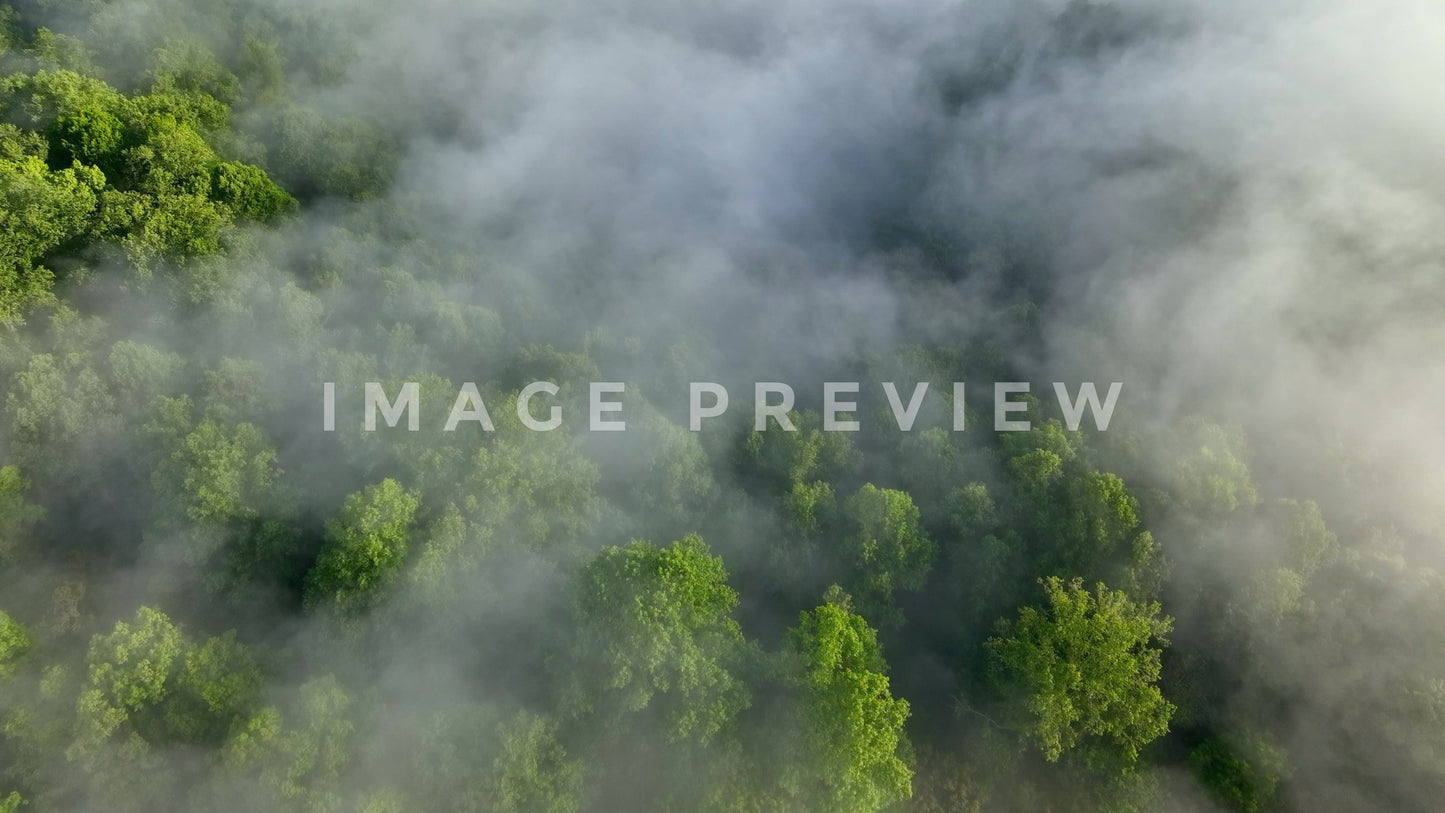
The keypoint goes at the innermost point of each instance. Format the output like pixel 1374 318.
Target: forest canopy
pixel 304 309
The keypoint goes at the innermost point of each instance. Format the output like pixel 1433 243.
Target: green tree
pixel 537 487
pixel 656 621
pixel 366 546
pixel 852 726
pixel 17 516
pixel 889 549
pixel 40 211
pixel 221 474
pixel 1093 520
pixel 779 459
pixel 809 506
pixel 140 372
pixel 532 772
pixel 1241 771
pixel 321 156
pixel 293 761
pixel 1211 477
pixel 1084 666
pixel 15 641
pixel 137 170
pixel 249 192
pixel 57 407
pixel 148 687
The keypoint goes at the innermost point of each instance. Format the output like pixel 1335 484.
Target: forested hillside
pixel 1228 600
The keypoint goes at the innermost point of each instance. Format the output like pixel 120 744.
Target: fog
pixel 1234 209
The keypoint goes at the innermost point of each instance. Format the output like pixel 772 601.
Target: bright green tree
pixel 366 546
pixel 15 641
pixel 1085 666
pixel 852 725
pixel 40 211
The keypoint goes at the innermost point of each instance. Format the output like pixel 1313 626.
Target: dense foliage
pixel 208 603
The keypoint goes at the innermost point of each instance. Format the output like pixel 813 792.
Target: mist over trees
pixel 1229 600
